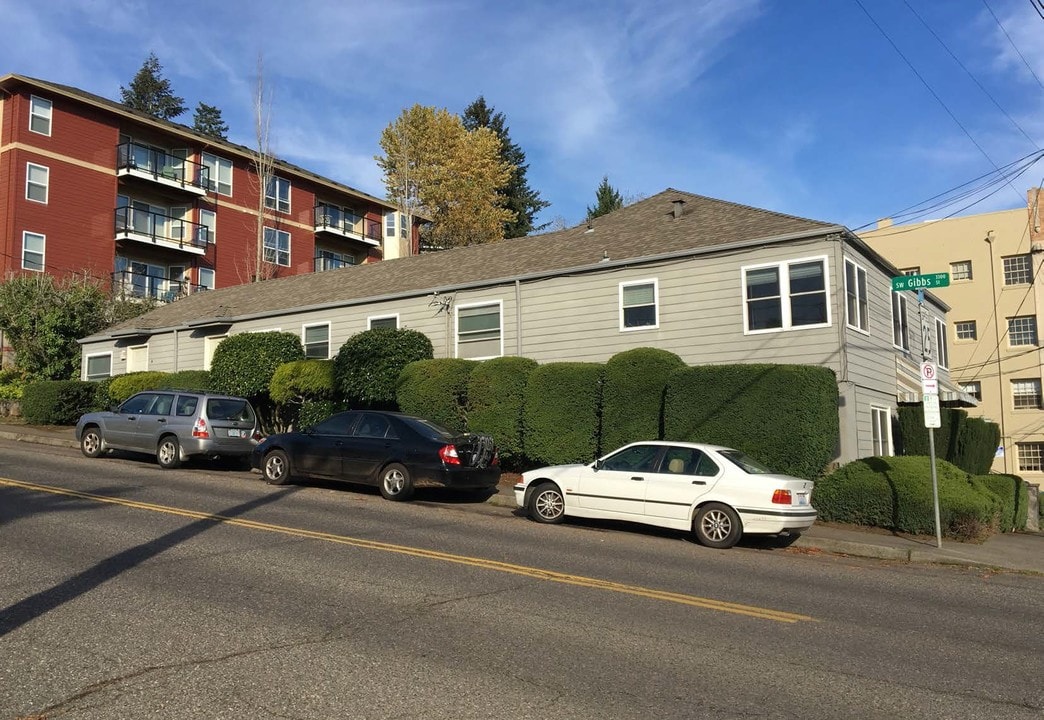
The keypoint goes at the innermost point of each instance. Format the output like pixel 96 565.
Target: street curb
pixel 848 547
pixel 38 440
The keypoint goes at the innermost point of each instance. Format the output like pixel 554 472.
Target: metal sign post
pixel 930 404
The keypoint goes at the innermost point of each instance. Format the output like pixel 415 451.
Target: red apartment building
pixel 160 211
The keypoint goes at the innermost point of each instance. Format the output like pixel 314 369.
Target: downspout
pixel 997 334
pixel 518 318
pixel 176 350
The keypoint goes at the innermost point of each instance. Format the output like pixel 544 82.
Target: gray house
pixel 712 281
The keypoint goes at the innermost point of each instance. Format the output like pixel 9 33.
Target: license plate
pixel 802 499
pixel 235 432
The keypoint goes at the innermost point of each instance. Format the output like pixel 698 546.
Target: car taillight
pixel 496 458
pixel 781 497
pixel 258 436
pixel 448 453
pixel 199 429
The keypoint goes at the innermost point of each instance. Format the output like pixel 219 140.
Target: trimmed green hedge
pixel 495 396
pixel 1013 494
pixel 300 381
pixel 367 367
pixel 896 493
pixel 313 411
pixel 632 396
pixel 783 415
pixel 437 390
pixel 561 413
pixel 244 364
pixel 57 402
pixel 122 387
pixel 967 442
pixel 195 380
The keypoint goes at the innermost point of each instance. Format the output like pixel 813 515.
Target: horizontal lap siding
pixel 871 358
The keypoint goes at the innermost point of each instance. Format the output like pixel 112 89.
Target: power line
pixel 1012 43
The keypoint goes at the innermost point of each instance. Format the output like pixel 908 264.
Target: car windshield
pixel 229 409
pixel 427 428
pixel 745 462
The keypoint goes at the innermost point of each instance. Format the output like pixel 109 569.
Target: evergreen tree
pixel 150 92
pixel 208 121
pixel 517 196
pixel 609 199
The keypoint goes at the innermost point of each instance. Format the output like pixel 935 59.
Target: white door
pixel 616 483
pixel 684 475
pixel 137 358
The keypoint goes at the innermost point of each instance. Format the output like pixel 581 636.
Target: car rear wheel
pixel 717 526
pixel 91 442
pixel 396 483
pixel 168 452
pixel 276 468
pixel 547 504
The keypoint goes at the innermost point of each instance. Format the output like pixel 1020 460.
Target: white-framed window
pixel 383 321
pixel 1018 270
pixel 33 246
pixel 1025 394
pixel 389 223
pixel 99 366
pixel 1031 456
pixel 857 306
pixel 316 340
pixel 37 180
pixel 208 221
pixel 210 344
pixel 786 296
pixel 639 305
pixel 277 194
pixel 973 388
pixel 881 419
pixel 220 176
pixel 961 270
pixel 942 352
pixel 1022 330
pixel 900 324
pixel 277 247
pixel 916 270
pixel 206 279
pixel 478 331
pixel 138 358
pixel 966 330
pixel 40 115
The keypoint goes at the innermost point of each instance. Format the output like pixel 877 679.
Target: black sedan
pixel 393 451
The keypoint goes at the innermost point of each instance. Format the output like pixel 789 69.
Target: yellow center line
pixel 496 565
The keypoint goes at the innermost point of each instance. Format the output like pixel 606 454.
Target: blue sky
pixel 800 106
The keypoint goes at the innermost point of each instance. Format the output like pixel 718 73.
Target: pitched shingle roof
pixel 646 229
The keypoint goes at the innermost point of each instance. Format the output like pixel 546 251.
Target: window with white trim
pixel 639 303
pixel 37 180
pixel 206 279
pixel 383 321
pixel 911 271
pixel 900 324
pixel 478 331
pixel 966 330
pixel 389 223
pixel 40 115
pixel 316 341
pixel 941 351
pixel 33 245
pixel 138 358
pixel 1022 330
pixel 973 388
pixel 277 194
pixel 277 247
pixel 99 366
pixel 785 296
pixel 1031 456
pixel 857 307
pixel 208 221
pixel 961 270
pixel 220 173
pixel 1025 394
pixel 881 419
pixel 1018 270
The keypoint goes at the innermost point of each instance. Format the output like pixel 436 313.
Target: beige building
pixel 996 296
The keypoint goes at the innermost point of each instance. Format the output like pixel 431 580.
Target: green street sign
pixel 920 282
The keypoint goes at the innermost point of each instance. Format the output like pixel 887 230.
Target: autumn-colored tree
pixel 433 165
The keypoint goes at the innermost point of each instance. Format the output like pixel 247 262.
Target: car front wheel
pixel 717 526
pixel 168 453
pixel 276 468
pixel 547 504
pixel 91 442
pixel 396 483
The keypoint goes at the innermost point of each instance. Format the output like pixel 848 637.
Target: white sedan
pixel 716 492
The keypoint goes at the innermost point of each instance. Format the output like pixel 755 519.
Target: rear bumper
pixel 213 446
pixel 775 522
pixel 458 477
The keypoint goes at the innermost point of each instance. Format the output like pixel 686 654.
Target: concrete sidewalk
pixel 1011 551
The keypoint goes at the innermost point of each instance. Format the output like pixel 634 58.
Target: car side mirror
pixel 115 409
pixel 597 465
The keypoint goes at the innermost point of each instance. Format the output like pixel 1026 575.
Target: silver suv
pixel 173 424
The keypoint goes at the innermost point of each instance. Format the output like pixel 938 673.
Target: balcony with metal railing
pixel 162 167
pixel 157 229
pixel 340 222
pixel 130 285
pixel 327 260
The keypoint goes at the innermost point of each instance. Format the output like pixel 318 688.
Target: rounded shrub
pixel 560 414
pixel 194 380
pixel 244 364
pixel 496 391
pixel 632 395
pixel 437 390
pixel 302 380
pixel 367 367
pixel 122 387
pixel 57 402
pixel 1013 495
